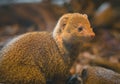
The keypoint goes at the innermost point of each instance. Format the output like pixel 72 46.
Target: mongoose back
pixel 35 57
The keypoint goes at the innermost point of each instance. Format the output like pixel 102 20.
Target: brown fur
pixel 99 75
pixel 35 57
pixel 94 75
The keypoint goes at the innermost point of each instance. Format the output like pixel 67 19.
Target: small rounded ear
pixel 85 15
pixel 84 74
pixel 63 22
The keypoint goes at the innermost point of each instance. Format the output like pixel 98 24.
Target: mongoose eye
pixel 80 29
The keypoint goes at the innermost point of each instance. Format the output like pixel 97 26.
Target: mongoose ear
pixel 63 23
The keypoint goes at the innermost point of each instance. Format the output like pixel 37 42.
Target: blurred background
pixel 20 16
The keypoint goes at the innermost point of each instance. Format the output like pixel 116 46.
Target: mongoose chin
pixel 35 57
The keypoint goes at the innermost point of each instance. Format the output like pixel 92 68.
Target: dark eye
pixel 80 29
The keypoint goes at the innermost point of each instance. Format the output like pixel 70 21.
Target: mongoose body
pixel 35 57
pixel 31 59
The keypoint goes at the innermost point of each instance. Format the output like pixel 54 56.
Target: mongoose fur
pixel 95 75
pixel 35 57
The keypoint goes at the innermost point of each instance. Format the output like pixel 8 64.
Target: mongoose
pixel 35 57
pixel 94 75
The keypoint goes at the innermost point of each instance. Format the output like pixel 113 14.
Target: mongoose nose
pixel 92 35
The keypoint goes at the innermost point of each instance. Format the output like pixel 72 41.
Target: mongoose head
pixel 73 27
pixel 94 75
